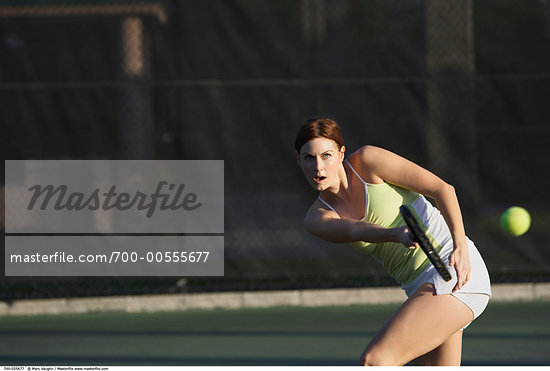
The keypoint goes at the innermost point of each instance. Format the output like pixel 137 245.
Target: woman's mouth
pixel 319 179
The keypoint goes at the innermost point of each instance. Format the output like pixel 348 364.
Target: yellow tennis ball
pixel 515 221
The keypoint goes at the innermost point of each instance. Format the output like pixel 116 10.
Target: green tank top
pixel 382 207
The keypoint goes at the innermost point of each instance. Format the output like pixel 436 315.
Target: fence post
pixel 450 65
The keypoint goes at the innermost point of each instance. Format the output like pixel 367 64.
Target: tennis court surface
pixel 508 333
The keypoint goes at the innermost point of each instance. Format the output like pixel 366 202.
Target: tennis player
pixel 359 204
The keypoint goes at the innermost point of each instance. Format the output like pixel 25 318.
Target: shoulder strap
pixel 326 204
pixel 356 173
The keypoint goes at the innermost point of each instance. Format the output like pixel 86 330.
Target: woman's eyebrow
pixel 325 151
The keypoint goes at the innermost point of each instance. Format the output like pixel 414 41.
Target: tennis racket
pixel 424 242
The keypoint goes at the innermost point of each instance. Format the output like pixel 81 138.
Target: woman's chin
pixel 319 186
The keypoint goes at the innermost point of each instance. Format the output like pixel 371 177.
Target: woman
pixel 359 204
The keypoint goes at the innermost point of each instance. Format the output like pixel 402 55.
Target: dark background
pixel 460 87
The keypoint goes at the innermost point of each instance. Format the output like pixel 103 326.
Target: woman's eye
pixel 325 155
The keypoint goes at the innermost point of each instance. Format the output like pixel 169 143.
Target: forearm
pixel 345 231
pixel 374 233
pixel 447 203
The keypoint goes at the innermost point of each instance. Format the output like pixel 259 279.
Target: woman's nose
pixel 318 164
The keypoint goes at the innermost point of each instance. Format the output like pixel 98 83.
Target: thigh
pixel 424 322
pixel 447 354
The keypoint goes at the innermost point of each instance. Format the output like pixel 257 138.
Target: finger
pixel 467 278
pixel 459 280
pixel 458 286
pixel 452 259
pixel 463 278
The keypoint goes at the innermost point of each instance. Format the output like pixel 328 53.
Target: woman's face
pixel 320 160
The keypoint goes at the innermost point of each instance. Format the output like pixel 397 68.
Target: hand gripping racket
pixel 424 242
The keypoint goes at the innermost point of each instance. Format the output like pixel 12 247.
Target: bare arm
pixel 327 225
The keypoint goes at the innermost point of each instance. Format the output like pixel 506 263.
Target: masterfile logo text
pixel 60 198
pixel 114 196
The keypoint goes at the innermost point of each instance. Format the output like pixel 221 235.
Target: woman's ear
pixel 342 152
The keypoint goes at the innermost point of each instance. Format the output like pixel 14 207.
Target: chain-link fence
pixel 460 87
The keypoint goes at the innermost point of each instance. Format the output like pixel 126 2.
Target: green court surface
pixel 506 334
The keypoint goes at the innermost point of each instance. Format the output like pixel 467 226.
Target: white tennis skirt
pixel 475 293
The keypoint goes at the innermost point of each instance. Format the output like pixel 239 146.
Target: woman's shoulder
pixel 364 160
pixel 319 211
pixel 366 154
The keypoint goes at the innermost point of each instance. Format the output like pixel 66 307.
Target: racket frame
pixel 424 242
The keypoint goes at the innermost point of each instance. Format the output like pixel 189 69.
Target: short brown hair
pixel 318 127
